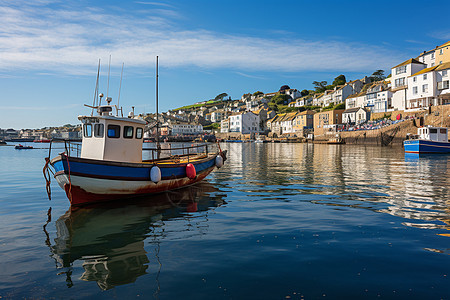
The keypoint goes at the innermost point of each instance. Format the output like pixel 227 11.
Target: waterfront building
pixel 287 123
pixel 186 129
pixel 326 118
pixel 399 83
pixel 244 122
pixel 225 125
pixel 303 122
pixel 355 115
pixel 422 89
pixel 274 124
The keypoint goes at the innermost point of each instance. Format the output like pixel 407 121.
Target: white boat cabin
pixel 437 134
pixel 107 137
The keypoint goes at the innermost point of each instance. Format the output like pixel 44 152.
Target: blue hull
pixel 425 146
pixel 88 181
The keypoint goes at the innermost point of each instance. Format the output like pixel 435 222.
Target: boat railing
pixel 165 151
pixel 72 147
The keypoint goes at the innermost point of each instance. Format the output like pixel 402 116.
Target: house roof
pixel 352 110
pixel 409 61
pixel 443 45
pixel 426 70
pixel 357 95
pixel 443 66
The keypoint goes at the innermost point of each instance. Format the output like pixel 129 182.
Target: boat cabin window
pixel 443 130
pixel 113 131
pixel 99 130
pixel 139 132
pixel 87 130
pixel 128 132
pixel 433 130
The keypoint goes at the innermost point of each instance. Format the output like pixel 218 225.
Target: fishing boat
pixel 429 139
pixel 22 147
pixel 110 165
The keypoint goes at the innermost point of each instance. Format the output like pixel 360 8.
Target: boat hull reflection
pixel 109 238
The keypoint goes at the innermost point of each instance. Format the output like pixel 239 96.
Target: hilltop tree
pixel 320 86
pixel 221 96
pixel 340 80
pixel 281 99
pixel 304 93
pixel 378 75
pixel 258 93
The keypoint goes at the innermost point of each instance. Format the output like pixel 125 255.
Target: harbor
pixel 280 220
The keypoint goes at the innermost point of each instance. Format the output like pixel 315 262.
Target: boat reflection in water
pixel 109 238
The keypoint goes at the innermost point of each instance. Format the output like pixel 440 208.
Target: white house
pixel 293 93
pixel 422 89
pixel 218 115
pixel 186 128
pixel 356 100
pixel 245 123
pixel 341 93
pixel 378 97
pixel 399 83
pixel 355 115
pixel 442 79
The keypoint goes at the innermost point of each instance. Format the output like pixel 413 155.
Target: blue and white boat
pixel 110 165
pixel 428 140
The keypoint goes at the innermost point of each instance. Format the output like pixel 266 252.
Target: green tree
pixel 221 96
pixel 304 93
pixel 320 86
pixel 281 99
pixel 378 75
pixel 258 93
pixel 340 80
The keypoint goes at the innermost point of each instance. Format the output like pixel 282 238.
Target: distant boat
pixel 20 147
pixel 41 141
pixel 111 167
pixel 428 140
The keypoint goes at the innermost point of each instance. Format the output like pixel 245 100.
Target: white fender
pixel 155 174
pixel 219 161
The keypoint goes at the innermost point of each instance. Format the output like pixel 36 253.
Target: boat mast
pixel 158 146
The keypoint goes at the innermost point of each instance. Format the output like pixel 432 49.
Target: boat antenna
pixel 96 88
pixel 158 146
pixel 120 87
pixel 109 69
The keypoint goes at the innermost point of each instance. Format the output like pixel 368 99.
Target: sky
pixel 50 50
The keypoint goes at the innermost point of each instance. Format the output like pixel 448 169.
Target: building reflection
pixel 109 239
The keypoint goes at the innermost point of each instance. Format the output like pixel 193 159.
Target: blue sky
pixel 49 49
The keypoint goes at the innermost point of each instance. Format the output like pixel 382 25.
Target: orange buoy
pixel 190 171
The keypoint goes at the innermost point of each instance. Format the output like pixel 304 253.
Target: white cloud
pixel 70 40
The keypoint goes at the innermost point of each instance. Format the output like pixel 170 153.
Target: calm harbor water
pixel 278 221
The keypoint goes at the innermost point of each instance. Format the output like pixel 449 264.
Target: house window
pixel 425 76
pixel 414 79
pixel 88 130
pixel 98 130
pixel 415 90
pixel 114 131
pixel 441 51
pixel 444 73
pixel 425 88
pixel 432 55
pixel 400 82
pixel 400 70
